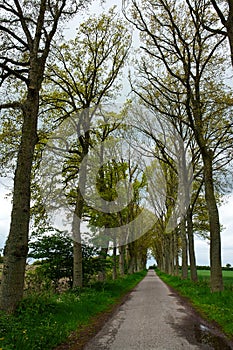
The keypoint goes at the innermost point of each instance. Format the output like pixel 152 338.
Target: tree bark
pixel 172 258
pixel 167 253
pixel 131 258
pixel 192 258
pixel 216 280
pixel 16 247
pixel 184 250
pixel 103 256
pixel 114 269
pixel 78 211
pixel 176 249
pixel 77 243
pixel 122 260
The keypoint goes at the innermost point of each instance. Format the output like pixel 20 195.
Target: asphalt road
pixel 155 318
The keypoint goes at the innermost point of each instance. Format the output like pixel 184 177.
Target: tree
pixel 54 250
pixel 55 254
pixel 85 76
pixel 107 179
pixel 184 58
pixel 110 222
pixel 170 146
pixel 27 30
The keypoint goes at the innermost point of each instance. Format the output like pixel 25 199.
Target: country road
pixel 154 318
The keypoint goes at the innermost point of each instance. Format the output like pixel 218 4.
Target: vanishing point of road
pixel 154 318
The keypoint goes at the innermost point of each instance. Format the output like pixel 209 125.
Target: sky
pixel 201 246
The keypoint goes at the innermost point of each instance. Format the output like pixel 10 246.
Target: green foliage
pixel 213 306
pixel 55 254
pixel 93 262
pixel 86 68
pixel 109 176
pixel 44 321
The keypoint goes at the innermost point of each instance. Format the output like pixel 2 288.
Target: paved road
pixel 153 318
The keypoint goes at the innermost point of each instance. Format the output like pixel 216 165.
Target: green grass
pixel 204 275
pixel 44 321
pixel 216 307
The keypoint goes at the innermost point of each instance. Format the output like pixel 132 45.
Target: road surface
pixel 154 318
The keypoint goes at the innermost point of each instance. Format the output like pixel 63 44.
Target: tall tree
pixel 27 30
pixel 170 142
pixel 179 47
pixel 85 76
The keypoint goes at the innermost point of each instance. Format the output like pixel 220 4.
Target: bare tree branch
pixel 14 105
pixel 219 12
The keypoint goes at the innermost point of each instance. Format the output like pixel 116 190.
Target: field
pixel 204 275
pixel 216 307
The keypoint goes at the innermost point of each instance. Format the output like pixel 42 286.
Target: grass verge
pixel 217 307
pixel 44 321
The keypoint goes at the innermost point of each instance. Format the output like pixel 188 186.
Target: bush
pixel 56 257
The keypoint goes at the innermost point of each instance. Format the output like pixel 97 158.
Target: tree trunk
pixel 184 250
pixel 143 260
pixel 167 254
pixel 192 258
pixel 122 260
pixel 16 248
pixel 172 259
pixel 78 213
pixel 163 267
pixel 114 269
pixel 77 243
pixel 216 280
pixel 132 264
pixel 141 257
pixel 103 256
pixel 176 249
pixel 131 257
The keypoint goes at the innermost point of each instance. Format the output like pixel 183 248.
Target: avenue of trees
pixel 164 156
